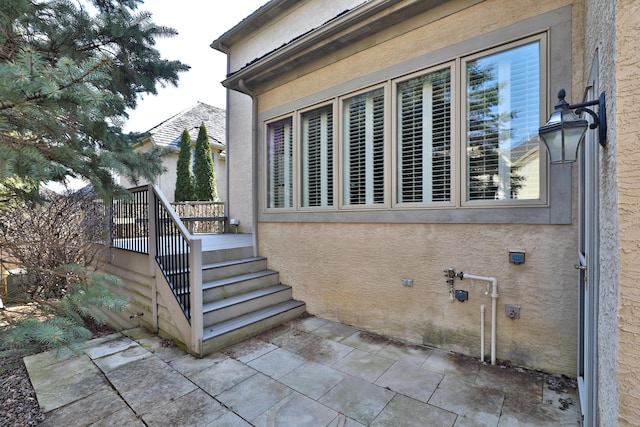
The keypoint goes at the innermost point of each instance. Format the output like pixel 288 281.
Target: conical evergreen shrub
pixel 204 174
pixel 184 178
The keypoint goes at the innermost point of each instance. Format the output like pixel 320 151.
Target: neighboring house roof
pixel 168 133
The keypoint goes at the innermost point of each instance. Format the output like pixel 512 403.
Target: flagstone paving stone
pixel 307 372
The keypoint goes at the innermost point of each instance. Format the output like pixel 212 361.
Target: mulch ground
pixel 18 403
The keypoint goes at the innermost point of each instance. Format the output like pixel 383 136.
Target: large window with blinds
pixel 363 145
pixel 423 139
pixel 316 148
pixel 280 163
pixel 502 94
pixel 457 135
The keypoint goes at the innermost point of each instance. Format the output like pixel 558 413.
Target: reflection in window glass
pixel 503 114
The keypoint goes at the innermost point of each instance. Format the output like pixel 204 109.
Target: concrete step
pixel 224 269
pixel 228 287
pixel 219 311
pixel 235 330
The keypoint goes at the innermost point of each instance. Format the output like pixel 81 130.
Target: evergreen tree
pixel 205 179
pixel 184 178
pixel 69 70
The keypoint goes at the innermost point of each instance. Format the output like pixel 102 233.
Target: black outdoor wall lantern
pixel 564 130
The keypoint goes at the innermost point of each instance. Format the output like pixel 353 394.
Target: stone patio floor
pixel 307 372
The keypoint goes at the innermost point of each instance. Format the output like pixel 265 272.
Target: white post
pixel 151 249
pixel 195 295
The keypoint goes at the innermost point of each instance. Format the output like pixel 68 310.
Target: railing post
pixel 197 327
pixel 225 226
pixel 109 225
pixel 151 241
pixel 152 250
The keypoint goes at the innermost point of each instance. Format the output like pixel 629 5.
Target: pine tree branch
pixel 78 80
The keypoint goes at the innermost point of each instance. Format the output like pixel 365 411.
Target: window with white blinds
pixel 424 138
pixel 503 116
pixel 317 157
pixel 280 163
pixel 463 134
pixel 363 149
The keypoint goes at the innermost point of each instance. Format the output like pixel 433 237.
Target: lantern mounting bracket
pixel 599 119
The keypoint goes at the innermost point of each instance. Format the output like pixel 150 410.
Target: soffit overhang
pixel 357 24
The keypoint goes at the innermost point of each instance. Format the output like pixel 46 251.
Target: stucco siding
pixel 600 57
pixel 239 163
pixel 303 17
pixel 393 46
pixel 627 123
pixel 353 273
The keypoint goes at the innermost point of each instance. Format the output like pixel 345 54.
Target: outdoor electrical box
pixel 516 257
pixel 461 295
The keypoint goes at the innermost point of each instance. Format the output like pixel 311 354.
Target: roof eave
pixel 347 28
pixel 251 23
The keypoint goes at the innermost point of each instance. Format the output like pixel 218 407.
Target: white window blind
pixel 280 164
pixel 363 153
pixel 503 114
pixel 424 138
pixel 317 157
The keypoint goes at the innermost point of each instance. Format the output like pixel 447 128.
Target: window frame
pixel 294 174
pixel 342 145
pixel 451 203
pixel 334 141
pixel 463 188
pixel 556 26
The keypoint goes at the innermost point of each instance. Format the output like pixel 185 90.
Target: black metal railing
pixel 130 221
pixel 170 240
pixel 172 254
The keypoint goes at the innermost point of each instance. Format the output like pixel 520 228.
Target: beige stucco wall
pixel 239 106
pixel 353 273
pixel 239 155
pixel 287 26
pixel 166 182
pixel 627 136
pixel 369 55
pixel 599 56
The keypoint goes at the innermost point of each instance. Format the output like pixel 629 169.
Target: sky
pixel 199 23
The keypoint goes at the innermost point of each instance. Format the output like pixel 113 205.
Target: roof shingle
pixel 169 132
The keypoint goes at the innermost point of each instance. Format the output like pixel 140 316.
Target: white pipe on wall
pixel 494 299
pixel 482 333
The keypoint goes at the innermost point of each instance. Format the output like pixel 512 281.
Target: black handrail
pixel 131 231
pixel 172 255
pixel 130 221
